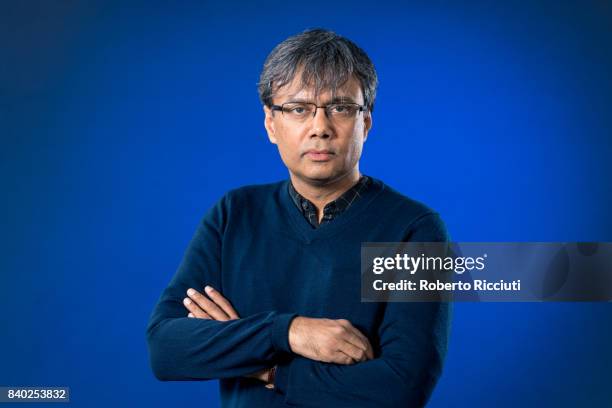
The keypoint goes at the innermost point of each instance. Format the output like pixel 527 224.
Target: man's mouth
pixel 319 155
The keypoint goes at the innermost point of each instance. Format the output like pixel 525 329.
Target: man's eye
pixel 342 108
pixel 297 110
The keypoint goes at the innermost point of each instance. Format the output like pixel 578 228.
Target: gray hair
pixel 326 61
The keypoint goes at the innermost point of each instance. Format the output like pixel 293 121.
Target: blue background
pixel 120 125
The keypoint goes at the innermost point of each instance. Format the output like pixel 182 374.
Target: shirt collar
pixel 331 209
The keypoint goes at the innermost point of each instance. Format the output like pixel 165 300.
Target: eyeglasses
pixel 300 112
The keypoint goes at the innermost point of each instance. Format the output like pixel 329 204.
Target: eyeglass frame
pixel 361 108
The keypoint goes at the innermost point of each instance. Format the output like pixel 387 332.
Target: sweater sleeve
pixel 182 348
pixel 412 342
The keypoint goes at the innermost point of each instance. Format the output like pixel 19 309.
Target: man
pixel 280 321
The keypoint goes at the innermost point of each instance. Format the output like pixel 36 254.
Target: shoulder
pixel 250 196
pixel 422 222
pixel 240 202
pixel 254 191
pixel 392 199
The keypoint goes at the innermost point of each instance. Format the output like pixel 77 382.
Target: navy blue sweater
pixel 257 249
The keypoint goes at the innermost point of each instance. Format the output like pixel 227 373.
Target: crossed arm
pixel 411 339
pixel 326 340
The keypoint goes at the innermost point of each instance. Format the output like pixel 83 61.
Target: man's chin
pixel 320 178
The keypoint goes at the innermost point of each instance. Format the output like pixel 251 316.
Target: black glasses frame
pixel 360 108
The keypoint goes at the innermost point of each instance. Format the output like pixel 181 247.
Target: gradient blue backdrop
pixel 120 125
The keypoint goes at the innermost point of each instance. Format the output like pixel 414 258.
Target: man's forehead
pixel 350 90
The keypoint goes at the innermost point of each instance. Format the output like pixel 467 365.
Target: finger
pixel 342 358
pixel 363 341
pixel 370 352
pixel 192 316
pixel 207 305
pixel 222 302
pixel 357 338
pixel 354 352
pixel 194 309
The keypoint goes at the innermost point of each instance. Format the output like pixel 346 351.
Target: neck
pixel 322 193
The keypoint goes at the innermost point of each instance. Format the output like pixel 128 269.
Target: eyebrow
pixel 336 99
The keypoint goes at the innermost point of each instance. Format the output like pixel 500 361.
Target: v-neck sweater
pixel 259 251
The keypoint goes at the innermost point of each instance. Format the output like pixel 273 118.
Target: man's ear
pixel 269 124
pixel 367 124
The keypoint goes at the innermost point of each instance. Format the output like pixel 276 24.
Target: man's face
pixel 321 149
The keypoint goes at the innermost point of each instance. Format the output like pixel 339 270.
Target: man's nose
pixel 321 123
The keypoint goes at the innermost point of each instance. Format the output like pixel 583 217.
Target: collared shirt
pixel 332 209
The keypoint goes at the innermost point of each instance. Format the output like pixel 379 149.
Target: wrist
pixel 293 335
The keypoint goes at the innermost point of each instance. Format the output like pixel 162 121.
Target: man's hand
pixel 215 308
pixel 330 341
